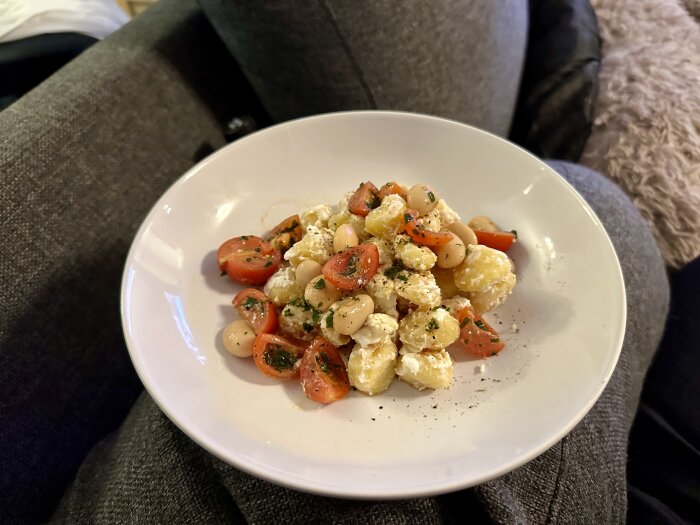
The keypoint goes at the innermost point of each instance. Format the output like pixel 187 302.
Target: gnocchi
pixel 390 278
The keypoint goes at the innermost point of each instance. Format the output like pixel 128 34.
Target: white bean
pixel 464 232
pixel 239 338
pixel 320 293
pixel 483 224
pixel 452 253
pixel 344 237
pixel 307 270
pixel 352 313
pixel 422 198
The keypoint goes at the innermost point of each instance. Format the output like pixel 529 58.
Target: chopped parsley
pixel 315 314
pixel 244 237
pixel 351 267
pixel 329 319
pixel 291 227
pixel 395 269
pixel 407 218
pixel 495 340
pixel 302 303
pixel 267 264
pixel 323 362
pixel 465 322
pixel 479 324
pixel 320 284
pixel 514 232
pixel 402 277
pixel 278 358
pixel 250 302
pixel 431 196
pixel 374 200
pixel 432 325
pixel 287 312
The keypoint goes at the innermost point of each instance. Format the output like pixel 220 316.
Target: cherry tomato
pixel 286 233
pixel 248 259
pixel 324 377
pixel 496 240
pixel 364 200
pixel 477 335
pixel 276 356
pixel 256 308
pixel 419 234
pixel 353 267
pixel 392 188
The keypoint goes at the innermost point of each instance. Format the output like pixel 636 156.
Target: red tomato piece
pixel 286 233
pixel 256 308
pixel 276 356
pixel 353 267
pixel 364 200
pixel 496 240
pixel 419 234
pixel 477 335
pixel 392 188
pixel 248 259
pixel 323 375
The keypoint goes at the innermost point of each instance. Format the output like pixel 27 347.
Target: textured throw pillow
pixel 646 132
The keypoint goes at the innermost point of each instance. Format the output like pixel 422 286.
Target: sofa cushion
pixel 560 79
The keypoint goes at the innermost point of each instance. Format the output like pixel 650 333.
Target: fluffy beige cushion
pixel 646 133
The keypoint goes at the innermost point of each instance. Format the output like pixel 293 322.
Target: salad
pixel 375 288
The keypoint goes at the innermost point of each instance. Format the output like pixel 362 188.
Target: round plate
pixel 563 324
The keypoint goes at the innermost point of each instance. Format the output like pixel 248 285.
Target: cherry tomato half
pixel 496 240
pixel 248 259
pixel 364 200
pixel 477 335
pixel 256 308
pixel 419 234
pixel 276 356
pixel 323 375
pixel 286 233
pixel 392 188
pixel 353 267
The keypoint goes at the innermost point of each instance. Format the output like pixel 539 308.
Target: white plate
pixel 569 307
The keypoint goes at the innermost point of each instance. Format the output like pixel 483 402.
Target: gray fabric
pixel 82 159
pixel 149 471
pixel 460 59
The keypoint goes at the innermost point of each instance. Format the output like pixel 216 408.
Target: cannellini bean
pixel 307 270
pixel 452 253
pixel 483 223
pixel 352 313
pixel 464 232
pixel 422 198
pixel 344 237
pixel 320 293
pixel 239 338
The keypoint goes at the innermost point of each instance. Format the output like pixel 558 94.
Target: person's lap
pixel 150 470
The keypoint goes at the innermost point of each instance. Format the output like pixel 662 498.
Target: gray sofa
pixel 126 118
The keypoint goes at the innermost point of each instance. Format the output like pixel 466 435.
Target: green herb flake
pixel 278 358
pixel 480 325
pixel 244 237
pixel 287 312
pixel 407 218
pixel 267 264
pixel 395 269
pixel 329 319
pixel 316 315
pixel 250 302
pixel 465 341
pixel 431 196
pixel 495 340
pixel 432 325
pixel 323 362
pixel 465 322
pixel 402 277
pixel 320 284
pixel 514 232
pixel 374 201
